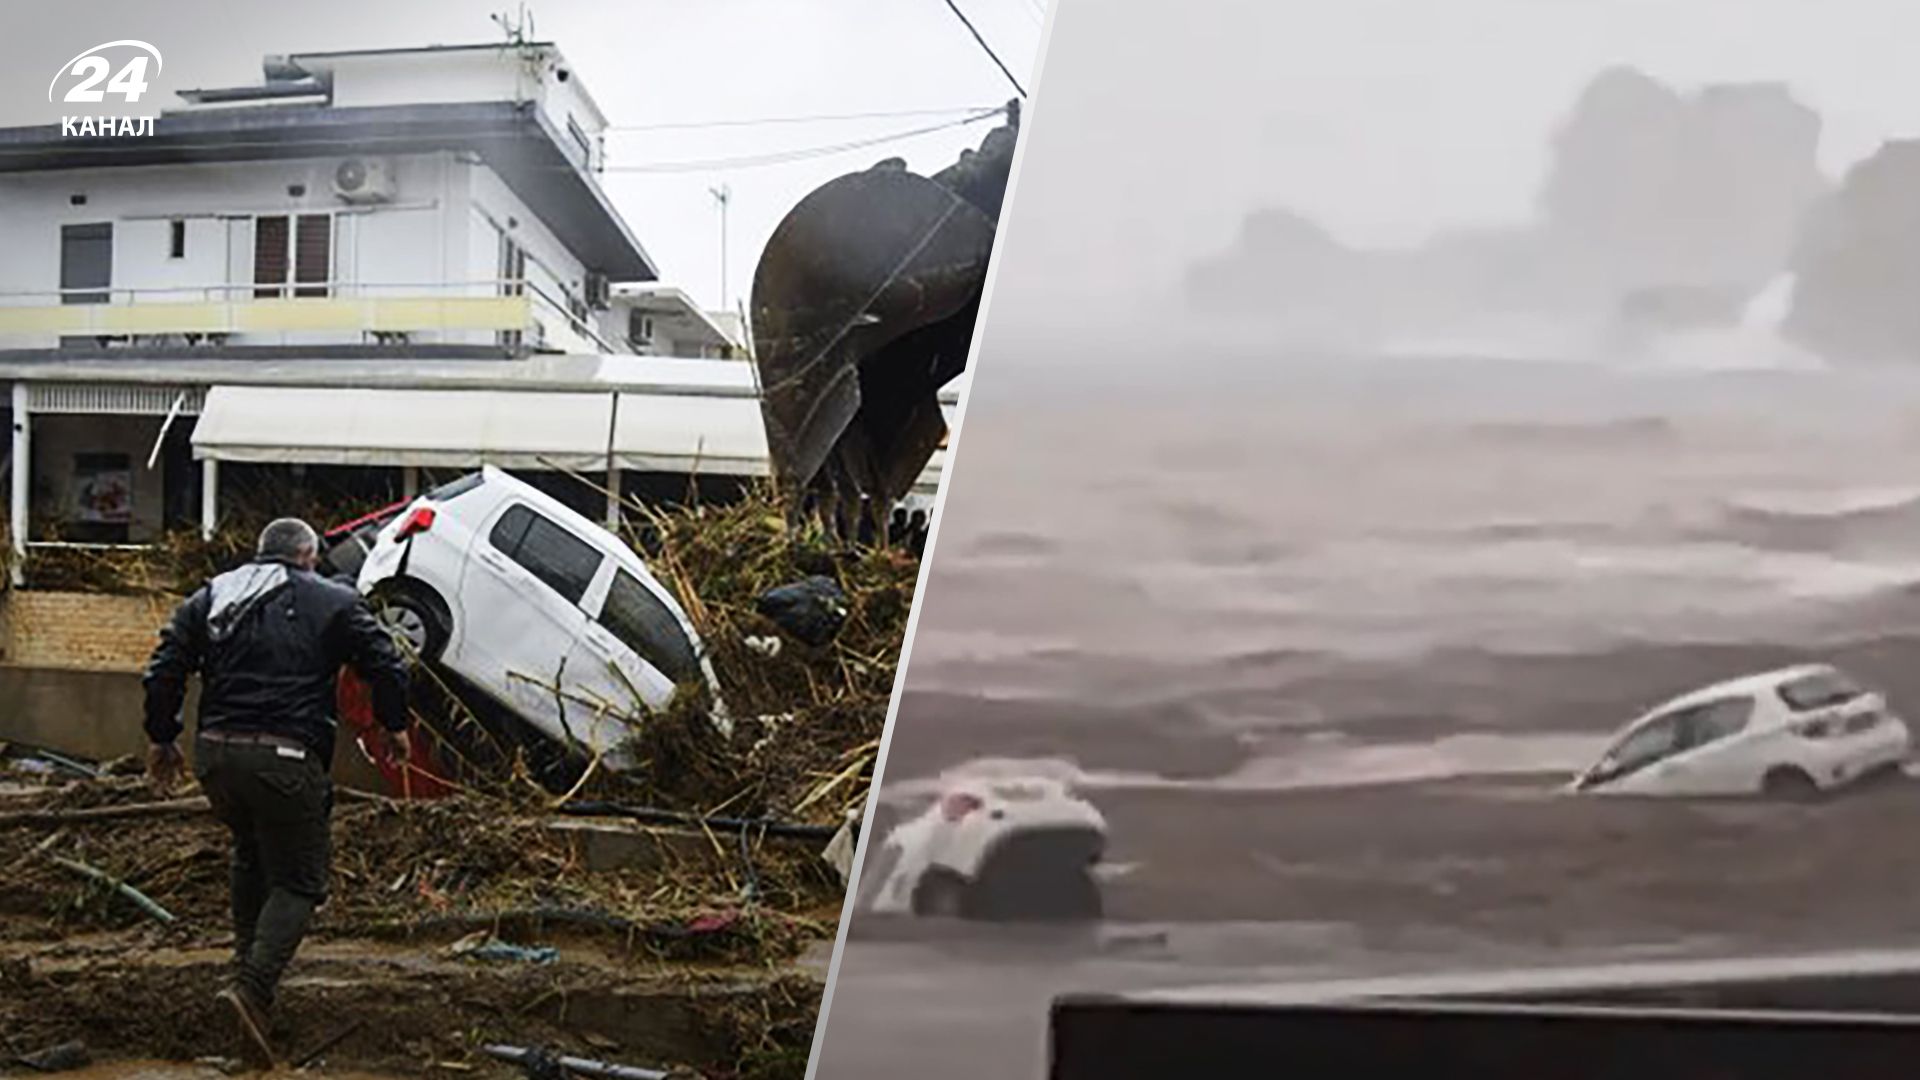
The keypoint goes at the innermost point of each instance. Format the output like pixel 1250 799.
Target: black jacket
pixel 268 641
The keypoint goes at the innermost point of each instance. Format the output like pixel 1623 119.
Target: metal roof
pixel 495 46
pixel 546 371
pixel 517 140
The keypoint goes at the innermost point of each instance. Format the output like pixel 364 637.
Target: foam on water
pixel 1756 344
pixel 1328 761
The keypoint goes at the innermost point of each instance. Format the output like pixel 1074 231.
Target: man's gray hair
pixel 289 538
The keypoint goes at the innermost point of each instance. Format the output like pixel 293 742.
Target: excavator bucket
pixel 863 308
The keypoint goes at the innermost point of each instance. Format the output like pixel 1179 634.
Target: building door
pixel 513 281
pixel 292 247
pixel 86 262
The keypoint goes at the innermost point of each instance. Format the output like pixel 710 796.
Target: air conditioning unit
pixel 364 180
pixel 599 291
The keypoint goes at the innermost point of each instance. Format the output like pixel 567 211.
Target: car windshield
pixel 1819 691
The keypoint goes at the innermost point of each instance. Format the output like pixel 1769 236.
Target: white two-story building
pixel 424 221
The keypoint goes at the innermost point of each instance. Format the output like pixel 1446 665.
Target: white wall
pixel 470 75
pixel 142 254
pixel 551 266
pixel 430 78
pixel 430 235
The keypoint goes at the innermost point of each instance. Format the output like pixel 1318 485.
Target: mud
pixel 408 1009
pixel 691 957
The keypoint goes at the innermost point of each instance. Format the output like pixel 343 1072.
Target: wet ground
pixel 1399 878
pixel 383 986
pixel 173 1070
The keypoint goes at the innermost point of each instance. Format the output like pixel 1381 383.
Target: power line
pixel 769 120
pixel 784 156
pixel 995 57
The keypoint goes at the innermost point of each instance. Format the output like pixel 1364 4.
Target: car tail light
pixel 418 521
pixel 959 805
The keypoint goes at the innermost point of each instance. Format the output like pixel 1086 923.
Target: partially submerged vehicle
pixel 542 610
pixel 1002 850
pixel 1791 733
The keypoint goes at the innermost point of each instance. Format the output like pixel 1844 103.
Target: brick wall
pixel 79 630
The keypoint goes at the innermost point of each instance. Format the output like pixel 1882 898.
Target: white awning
pixel 683 433
pixel 708 434
pixel 455 429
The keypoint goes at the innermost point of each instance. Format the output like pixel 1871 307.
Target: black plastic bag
pixel 811 610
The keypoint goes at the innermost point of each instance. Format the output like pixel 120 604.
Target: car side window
pixel 636 616
pixel 548 551
pixel 1657 740
pixel 1860 722
pixel 510 529
pixel 1714 721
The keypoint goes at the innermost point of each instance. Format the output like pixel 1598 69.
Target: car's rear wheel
pixel 941 894
pixel 1789 784
pixel 415 620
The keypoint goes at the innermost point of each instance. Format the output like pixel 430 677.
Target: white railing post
pixel 613 465
pixel 17 523
pixel 209 497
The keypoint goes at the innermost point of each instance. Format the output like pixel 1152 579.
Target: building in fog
pixel 425 219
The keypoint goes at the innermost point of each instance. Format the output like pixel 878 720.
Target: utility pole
pixel 722 195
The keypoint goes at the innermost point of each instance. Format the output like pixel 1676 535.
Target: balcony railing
pixel 326 307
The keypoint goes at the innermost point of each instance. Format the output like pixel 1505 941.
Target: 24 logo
pixel 129 82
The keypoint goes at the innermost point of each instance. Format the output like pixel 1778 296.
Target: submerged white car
pixel 544 611
pixel 1791 733
pixel 1006 850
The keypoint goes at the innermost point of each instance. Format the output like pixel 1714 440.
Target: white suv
pixel 538 607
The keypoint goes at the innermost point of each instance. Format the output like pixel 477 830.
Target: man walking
pixel 268 641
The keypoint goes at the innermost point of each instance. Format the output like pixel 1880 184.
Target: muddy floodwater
pixel 1324 643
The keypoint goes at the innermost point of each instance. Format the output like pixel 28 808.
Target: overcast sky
pixel 647 62
pixel 1158 126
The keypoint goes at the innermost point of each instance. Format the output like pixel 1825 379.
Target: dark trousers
pixel 278 807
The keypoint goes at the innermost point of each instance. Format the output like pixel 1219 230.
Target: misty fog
pixel 1695 183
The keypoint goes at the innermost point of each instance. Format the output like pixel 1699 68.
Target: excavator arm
pixel 863 308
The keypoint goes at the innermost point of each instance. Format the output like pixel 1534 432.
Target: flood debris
pixel 840 850
pixel 690 954
pixel 483 945
pixel 64 1057
pixel 141 900
pixel 543 1064
pixel 812 610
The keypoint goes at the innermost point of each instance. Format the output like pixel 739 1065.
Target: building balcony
pixel 478 313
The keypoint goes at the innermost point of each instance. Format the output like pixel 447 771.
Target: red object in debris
pixel 385 512
pixel 417 779
pixel 712 924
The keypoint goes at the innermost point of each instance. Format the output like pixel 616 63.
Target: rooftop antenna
pixel 722 195
pixel 518 28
